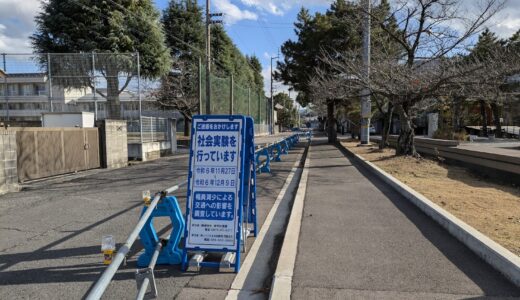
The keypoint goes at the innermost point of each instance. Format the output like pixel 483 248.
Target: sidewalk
pixel 360 239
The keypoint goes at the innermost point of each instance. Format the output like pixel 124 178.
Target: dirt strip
pixel 491 208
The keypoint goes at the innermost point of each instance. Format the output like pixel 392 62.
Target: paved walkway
pixel 360 239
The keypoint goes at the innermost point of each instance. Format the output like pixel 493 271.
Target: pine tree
pixel 115 26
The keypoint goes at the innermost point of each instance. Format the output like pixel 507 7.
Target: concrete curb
pixel 494 254
pixel 282 278
pixel 241 288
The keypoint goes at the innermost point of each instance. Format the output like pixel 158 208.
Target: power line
pixel 201 52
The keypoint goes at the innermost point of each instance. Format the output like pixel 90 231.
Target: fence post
pixel 231 96
pixel 5 90
pixel 259 108
pixel 249 101
pixel 94 87
pixel 139 98
pixel 49 75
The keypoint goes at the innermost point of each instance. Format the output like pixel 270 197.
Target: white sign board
pixel 212 220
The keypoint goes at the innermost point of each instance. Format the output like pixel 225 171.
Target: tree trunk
pixel 113 104
pixel 496 119
pixel 387 126
pixel 187 126
pixel 405 142
pixel 456 120
pixel 483 113
pixel 331 123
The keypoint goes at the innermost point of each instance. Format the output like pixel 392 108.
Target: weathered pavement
pixel 51 232
pixel 360 239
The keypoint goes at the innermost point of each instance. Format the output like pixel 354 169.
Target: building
pixel 25 96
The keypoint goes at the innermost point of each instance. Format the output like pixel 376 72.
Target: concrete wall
pixel 8 169
pixel 503 167
pixel 113 141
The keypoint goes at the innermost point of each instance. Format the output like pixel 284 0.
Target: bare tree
pixel 179 90
pixel 429 65
pixel 420 86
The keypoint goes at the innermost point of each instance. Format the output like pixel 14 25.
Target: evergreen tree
pixel 115 26
pixel 184 29
pixel 258 79
pixel 338 30
pixel 287 117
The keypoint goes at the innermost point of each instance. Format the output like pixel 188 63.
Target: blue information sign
pixel 220 185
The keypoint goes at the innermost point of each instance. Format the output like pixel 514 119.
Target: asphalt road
pixel 359 239
pixel 51 232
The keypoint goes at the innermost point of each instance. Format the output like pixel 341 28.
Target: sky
pixel 257 27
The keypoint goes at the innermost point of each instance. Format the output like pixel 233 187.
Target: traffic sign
pixel 218 184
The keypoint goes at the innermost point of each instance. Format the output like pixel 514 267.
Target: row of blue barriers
pixel 273 152
pixel 159 251
pixel 169 207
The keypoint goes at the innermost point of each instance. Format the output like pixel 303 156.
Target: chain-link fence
pixel 110 86
pixel 106 84
pixel 229 97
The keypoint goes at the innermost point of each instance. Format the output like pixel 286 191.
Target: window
pixel 27 90
pixel 41 89
pixel 12 90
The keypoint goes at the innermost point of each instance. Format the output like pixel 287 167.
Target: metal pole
pixel 208 58
pixel 5 89
pixel 99 288
pixel 200 85
pixel 231 96
pixel 259 106
pixel 249 101
pixel 365 93
pixel 271 115
pixel 139 98
pixel 49 75
pixel 94 87
pixel 151 266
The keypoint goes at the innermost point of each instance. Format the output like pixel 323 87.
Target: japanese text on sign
pixel 214 184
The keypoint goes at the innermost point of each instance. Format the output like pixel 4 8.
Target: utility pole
pixel 365 93
pixel 208 53
pixel 272 97
pixel 231 96
pixel 208 59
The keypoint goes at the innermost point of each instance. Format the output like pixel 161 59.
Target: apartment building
pixel 25 96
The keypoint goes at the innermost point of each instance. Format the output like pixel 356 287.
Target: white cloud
pixel 233 13
pixel 504 23
pixel 280 7
pixel 507 21
pixel 278 87
pixel 17 24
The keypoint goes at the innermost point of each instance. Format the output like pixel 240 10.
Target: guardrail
pixel 99 288
pixel 144 277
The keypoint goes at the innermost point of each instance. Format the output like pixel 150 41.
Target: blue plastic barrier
pixel 170 254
